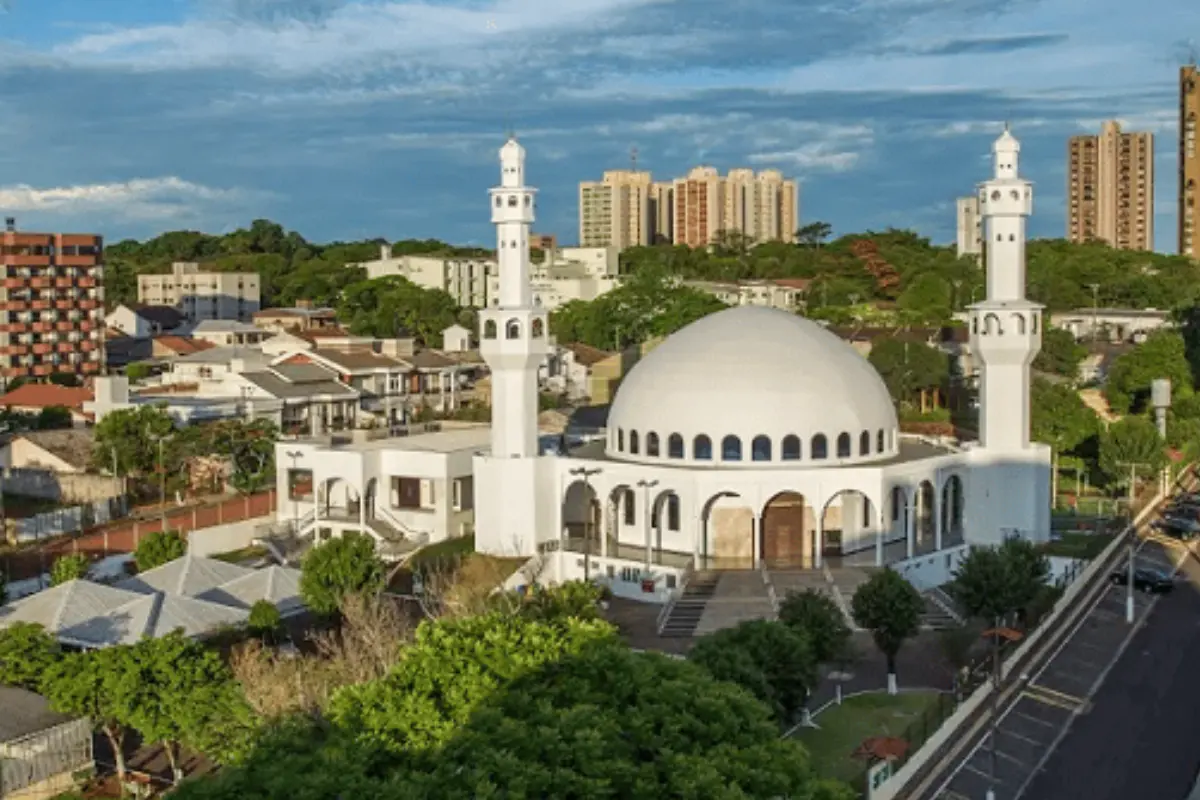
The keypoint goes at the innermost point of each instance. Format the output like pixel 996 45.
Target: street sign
pixel 878 775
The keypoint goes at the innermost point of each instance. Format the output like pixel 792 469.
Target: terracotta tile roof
pixel 587 355
pixel 793 283
pixel 322 333
pixel 429 359
pixel 43 395
pixel 357 359
pixel 181 345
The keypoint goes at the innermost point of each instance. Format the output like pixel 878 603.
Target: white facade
pixel 203 295
pixel 968 226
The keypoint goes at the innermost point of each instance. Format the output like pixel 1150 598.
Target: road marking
pixel 1050 701
pixel 981 773
pixel 1032 718
pixel 1013 759
pixel 950 794
pixel 1069 698
pixel 1026 739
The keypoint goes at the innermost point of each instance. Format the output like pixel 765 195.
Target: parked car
pixel 1180 528
pixel 1144 580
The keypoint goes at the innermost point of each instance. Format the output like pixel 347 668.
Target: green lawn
pixel 251 553
pixel 1079 545
pixel 843 728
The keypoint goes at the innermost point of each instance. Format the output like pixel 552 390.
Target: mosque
pixel 755 437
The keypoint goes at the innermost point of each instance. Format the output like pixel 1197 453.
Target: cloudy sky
pixel 356 118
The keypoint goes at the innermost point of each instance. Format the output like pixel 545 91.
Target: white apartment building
pixel 786 294
pixel 202 295
pixel 464 279
pixel 968 226
pixel 617 210
pixel 570 273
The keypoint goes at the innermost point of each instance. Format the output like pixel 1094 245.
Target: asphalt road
pixel 1140 737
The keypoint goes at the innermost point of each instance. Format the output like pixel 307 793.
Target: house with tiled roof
pixel 172 346
pixel 32 398
pixel 144 321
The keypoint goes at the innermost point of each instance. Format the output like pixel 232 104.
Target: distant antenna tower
pixel 633 154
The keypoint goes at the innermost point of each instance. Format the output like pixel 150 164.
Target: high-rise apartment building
pixel 51 303
pixel 203 295
pixel 1110 188
pixel 662 211
pixel 698 207
pixel 1189 160
pixel 616 211
pixel 969 226
pixel 762 206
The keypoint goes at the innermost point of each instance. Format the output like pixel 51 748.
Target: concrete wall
pixel 60 486
pixel 66 520
pixel 935 569
pixel 225 538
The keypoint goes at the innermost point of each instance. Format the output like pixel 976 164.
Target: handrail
pixel 772 596
pixel 677 593
pixel 409 532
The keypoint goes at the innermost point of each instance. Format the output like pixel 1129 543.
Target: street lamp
pixel 996 633
pixel 294 455
pixel 1133 468
pixel 162 475
pixel 646 486
pixel 586 474
pixel 1095 287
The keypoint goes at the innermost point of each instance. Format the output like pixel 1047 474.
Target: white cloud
pixel 980 127
pixel 167 198
pixel 809 158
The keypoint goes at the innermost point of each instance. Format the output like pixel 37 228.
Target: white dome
pixel 751 372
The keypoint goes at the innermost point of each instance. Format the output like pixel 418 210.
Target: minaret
pixel 1006 329
pixel 513 332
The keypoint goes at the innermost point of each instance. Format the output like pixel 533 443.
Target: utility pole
pixel 294 455
pixel 1095 310
pixel 586 474
pixel 1133 468
pixel 646 486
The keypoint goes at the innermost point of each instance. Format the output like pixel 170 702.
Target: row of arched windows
pixel 512 329
pixel 993 325
pixel 761 447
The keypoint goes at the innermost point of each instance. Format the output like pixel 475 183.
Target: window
pixel 512 201
pixel 300 484
pixel 627 506
pixel 652 444
pixel 537 329
pixel 820 447
pixel 702 448
pixel 790 448
pixel 489 329
pixel 528 200
pixel 672 512
pixel 512 330
pixel 760 449
pixel 620 439
pixel 864 443
pixel 633 442
pixel 731 448
pixel 464 494
pixel 675 446
pixel 412 493
pixel 879 441
pixel 843 445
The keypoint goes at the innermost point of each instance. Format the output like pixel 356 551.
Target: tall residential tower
pixel 1110 188
pixel 1189 160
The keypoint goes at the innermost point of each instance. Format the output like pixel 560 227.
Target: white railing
pixel 409 532
pixel 677 593
pixel 772 595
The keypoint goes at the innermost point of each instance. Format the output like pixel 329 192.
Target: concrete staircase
pixel 740 595
pixel 940 612
pixel 689 608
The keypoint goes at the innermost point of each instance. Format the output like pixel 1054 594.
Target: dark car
pixel 1144 580
pixel 1180 528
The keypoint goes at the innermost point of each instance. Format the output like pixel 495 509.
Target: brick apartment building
pixel 51 304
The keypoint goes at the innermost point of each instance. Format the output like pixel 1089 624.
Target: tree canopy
pixel 890 608
pixel 1162 355
pixel 342 566
pixel 909 368
pixel 1059 417
pixel 26 652
pixel 995 583
pixel 158 548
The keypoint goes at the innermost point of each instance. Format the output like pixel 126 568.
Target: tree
pixel 133 434
pixel 26 653
pixel 578 599
pixel 813 234
pixel 54 418
pixel 890 608
pixel 248 445
pixel 339 567
pixel 820 619
pixel 100 685
pixel 909 368
pixel 1131 444
pixel 1060 419
pixel 1060 353
pixel 265 619
pixel 138 371
pixel 773 661
pixel 158 548
pixel 69 568
pixel 994 584
pixel 927 299
pixel 1162 355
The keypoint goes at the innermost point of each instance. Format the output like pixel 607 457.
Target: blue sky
pixel 355 118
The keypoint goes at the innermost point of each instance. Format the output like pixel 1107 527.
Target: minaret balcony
pixel 1006 332
pixel 514 337
pixel 1006 199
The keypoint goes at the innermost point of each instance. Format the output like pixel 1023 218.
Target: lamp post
pixel 162 475
pixel 1095 287
pixel 1133 468
pixel 294 455
pixel 646 486
pixel 586 474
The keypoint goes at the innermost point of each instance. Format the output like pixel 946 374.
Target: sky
pixel 348 119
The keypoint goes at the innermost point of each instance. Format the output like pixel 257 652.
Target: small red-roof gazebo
pixel 879 748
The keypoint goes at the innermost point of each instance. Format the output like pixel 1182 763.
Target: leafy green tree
pixel 1162 355
pixel 138 371
pixel 133 434
pixel 1061 419
pixel 909 368
pixel 890 608
pixel 342 566
pixel 1060 353
pixel 265 619
pixel 26 653
pixel 158 548
pixel 995 584
pixel 773 661
pixel 395 306
pixel 813 234
pixel 54 418
pixel 820 619
pixel 1131 441
pixel 69 568
pixel 249 446
pixel 578 599
pixel 100 685
pixel 927 299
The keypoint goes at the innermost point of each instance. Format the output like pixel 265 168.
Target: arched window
pixel 1020 320
pixel 991 325
pixel 674 446
pixel 489 329
pixel 672 512
pixel 527 201
pixel 879 441
pixel 512 330
pixel 731 448
pixel 864 443
pixel 633 443
pixel 789 448
pixel 512 201
pixel 652 444
pixel 1034 319
pixel 628 505
pixel 537 329
pixel 820 447
pixel 975 325
pixel 702 448
pixel 620 440
pixel 843 450
pixel 760 449
pixel 498 202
